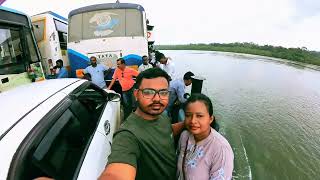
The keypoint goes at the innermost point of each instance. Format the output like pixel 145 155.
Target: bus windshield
pixel 12 51
pixel 106 23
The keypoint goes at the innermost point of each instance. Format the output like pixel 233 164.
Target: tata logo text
pixel 101 56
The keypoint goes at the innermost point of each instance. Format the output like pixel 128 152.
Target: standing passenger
pixel 97 72
pixel 177 91
pixel 167 65
pixel 145 64
pixel 125 76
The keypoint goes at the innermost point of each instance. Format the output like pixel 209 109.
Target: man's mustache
pixel 156 103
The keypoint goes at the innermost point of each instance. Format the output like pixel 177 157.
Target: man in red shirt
pixel 125 77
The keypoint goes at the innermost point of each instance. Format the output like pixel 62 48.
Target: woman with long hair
pixel 204 154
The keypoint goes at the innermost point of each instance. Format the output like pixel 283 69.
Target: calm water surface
pixel 269 112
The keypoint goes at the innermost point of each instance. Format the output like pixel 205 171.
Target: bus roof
pixel 53 14
pixel 13 16
pixel 12 10
pixel 104 7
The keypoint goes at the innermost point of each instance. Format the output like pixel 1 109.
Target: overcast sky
pixel 288 23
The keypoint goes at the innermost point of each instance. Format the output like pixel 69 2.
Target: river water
pixel 268 110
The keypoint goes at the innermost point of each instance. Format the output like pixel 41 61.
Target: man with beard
pixel 96 72
pixel 143 147
pixel 62 72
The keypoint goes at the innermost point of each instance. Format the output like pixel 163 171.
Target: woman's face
pixel 197 119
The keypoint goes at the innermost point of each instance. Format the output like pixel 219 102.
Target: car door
pixel 105 107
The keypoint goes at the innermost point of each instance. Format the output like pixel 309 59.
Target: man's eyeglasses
pixel 151 93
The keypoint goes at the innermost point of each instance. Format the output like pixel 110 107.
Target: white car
pixel 60 129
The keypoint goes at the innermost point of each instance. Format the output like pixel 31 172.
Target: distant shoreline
pixel 297 56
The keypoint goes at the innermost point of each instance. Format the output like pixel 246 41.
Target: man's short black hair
pixel 151 73
pixel 162 56
pixel 122 61
pixel 59 61
pixel 188 75
pixel 144 57
pixel 93 57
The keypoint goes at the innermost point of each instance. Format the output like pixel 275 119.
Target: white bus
pixel 107 31
pixel 51 30
pixel 19 54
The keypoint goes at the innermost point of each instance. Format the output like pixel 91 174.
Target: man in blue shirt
pixel 177 91
pixel 62 71
pixel 97 72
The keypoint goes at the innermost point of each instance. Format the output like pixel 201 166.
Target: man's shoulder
pixel 176 82
pixel 165 119
pixel 126 130
pixel 130 123
pixel 130 69
pixel 117 70
pixel 88 68
pixel 170 62
pixel 102 66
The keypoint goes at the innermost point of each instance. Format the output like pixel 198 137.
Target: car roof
pixel 18 102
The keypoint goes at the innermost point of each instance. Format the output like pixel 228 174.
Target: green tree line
pixel 293 54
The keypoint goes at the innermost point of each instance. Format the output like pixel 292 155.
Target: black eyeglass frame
pixel 154 92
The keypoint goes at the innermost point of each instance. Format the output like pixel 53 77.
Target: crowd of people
pixel 144 146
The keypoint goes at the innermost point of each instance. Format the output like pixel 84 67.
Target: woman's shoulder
pixel 220 141
pixel 184 137
pixel 185 134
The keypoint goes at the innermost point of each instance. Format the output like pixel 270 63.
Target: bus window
pixel 60 26
pixel 31 46
pixel 16 48
pixel 10 51
pixel 63 40
pixel 75 33
pixel 106 23
pixel 62 29
pixel 38 28
pixel 134 25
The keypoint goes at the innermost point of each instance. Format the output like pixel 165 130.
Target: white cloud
pixel 275 22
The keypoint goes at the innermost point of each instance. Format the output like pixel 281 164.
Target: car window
pixel 93 100
pixel 59 152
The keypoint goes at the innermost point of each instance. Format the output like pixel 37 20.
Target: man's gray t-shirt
pixel 97 74
pixel 146 145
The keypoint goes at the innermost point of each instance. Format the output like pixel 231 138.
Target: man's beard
pixel 143 109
